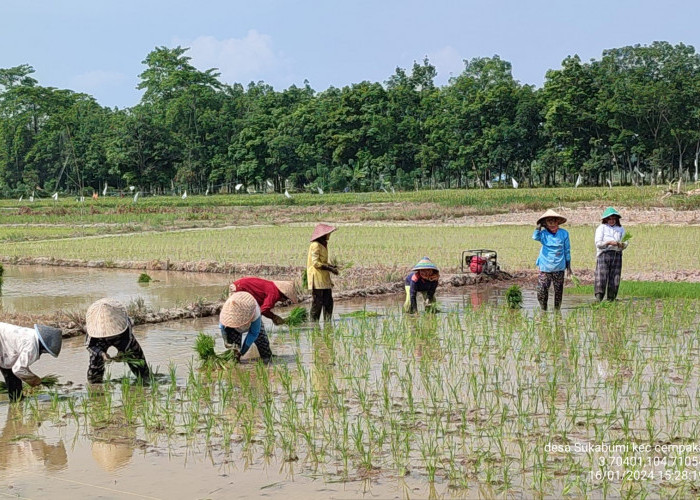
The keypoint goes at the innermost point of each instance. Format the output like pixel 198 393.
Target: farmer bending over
pixel 267 293
pixel 423 278
pixel 108 325
pixel 240 315
pixel 19 348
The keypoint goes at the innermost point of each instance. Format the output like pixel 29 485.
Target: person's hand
pixel 568 272
pixel 333 269
pixel 611 243
pixel 278 320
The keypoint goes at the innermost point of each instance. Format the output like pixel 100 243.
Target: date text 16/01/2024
pixel 644 475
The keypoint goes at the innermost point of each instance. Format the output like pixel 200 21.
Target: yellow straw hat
pixel 551 213
pixel 238 311
pixel 321 230
pixel 106 318
pixel 288 289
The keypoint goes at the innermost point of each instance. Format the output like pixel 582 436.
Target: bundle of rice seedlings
pixel 204 345
pixel 49 380
pixel 575 281
pixel 125 357
pixel 432 308
pixel 626 237
pixel 514 297
pixel 297 316
pixel 144 278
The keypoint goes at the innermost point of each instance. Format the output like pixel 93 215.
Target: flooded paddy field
pixel 476 401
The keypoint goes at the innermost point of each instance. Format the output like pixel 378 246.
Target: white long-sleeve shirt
pixel 605 233
pixel 19 348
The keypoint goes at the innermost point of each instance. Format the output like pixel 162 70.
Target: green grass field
pixel 651 289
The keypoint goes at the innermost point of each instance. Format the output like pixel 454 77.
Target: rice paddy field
pixel 476 401
pixel 653 247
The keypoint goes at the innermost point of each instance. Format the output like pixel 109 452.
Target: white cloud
pixel 447 62
pixel 241 60
pixel 92 80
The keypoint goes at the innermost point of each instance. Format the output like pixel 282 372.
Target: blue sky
pixel 98 46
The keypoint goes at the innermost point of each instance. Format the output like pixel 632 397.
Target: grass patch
pixel 651 289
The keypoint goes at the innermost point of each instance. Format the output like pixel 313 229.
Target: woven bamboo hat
pixel 322 230
pixel 551 213
pixel 288 289
pixel 106 318
pixel 238 311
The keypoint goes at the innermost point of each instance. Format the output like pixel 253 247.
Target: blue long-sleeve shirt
pixel 555 254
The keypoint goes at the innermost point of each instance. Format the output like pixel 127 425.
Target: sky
pixel 98 46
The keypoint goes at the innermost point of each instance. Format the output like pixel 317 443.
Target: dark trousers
pixel 608 269
pixel 126 344
pixel 322 300
pixel 14 384
pixel 544 281
pixel 233 338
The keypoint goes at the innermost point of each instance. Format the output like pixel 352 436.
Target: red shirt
pixel 265 292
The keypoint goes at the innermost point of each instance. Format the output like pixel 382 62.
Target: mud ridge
pixel 72 323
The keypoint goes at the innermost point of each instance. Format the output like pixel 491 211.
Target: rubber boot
pixel 599 297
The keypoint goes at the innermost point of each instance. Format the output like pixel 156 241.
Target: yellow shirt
pixel 318 278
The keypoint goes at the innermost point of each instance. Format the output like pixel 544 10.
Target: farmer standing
pixel 267 293
pixel 19 348
pixel 423 278
pixel 609 247
pixel 318 273
pixel 240 315
pixel 108 325
pixel 554 258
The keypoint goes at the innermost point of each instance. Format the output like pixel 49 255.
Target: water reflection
pixel 22 449
pixel 41 289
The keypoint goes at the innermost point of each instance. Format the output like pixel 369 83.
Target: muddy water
pixel 41 289
pixel 60 460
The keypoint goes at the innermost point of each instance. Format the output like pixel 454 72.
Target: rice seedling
pixel 360 314
pixel 649 289
pixel 514 297
pixel 297 316
pixel 463 400
pixel 204 346
pixel 144 278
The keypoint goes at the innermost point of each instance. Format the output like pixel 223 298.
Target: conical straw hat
pixel 425 263
pixel 551 213
pixel 238 311
pixel 288 289
pixel 106 318
pixel 321 230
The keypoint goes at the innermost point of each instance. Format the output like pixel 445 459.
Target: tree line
pixel 631 117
